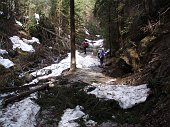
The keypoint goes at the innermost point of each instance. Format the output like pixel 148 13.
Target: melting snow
pixel 98 43
pixel 98 36
pixel 22 44
pixel 37 17
pixel 20 114
pixel 82 62
pixel 6 62
pixel 2 52
pixel 86 31
pixel 69 117
pixel 31 41
pixel 95 43
pixel 1 12
pixel 90 123
pixel 18 43
pixel 18 22
pixel 127 96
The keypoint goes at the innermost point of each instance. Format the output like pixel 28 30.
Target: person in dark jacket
pixel 85 45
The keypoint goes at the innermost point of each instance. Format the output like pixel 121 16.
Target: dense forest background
pixel 137 32
pixel 123 24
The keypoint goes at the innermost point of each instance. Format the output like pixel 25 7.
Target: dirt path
pixel 88 75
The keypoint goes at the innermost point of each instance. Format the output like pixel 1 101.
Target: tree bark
pixel 72 29
pixel 109 25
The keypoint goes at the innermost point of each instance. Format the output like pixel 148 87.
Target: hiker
pixel 85 45
pixel 101 55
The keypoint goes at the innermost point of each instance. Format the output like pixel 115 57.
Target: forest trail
pixel 88 75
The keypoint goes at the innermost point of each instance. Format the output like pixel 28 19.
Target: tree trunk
pixel 72 29
pixel 109 25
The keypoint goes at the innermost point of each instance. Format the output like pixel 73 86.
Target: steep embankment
pixel 146 49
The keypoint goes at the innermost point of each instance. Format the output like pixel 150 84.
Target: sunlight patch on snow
pixel 6 62
pixel 127 96
pixel 18 43
pixel 20 114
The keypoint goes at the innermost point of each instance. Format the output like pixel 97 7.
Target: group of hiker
pixel 101 52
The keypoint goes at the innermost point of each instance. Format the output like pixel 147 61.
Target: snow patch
pixel 20 114
pixel 18 43
pixel 33 40
pixel 95 43
pixel 98 43
pixel 86 31
pixel 2 52
pixel 69 117
pixel 1 12
pixel 37 17
pixel 98 36
pixel 6 62
pixel 57 69
pixel 127 96
pixel 18 22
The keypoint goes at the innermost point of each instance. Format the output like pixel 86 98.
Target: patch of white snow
pixel 95 43
pixel 18 22
pixel 2 52
pixel 90 123
pixel 20 114
pixel 1 12
pixel 57 69
pixel 69 117
pixel 33 40
pixel 18 43
pixel 37 17
pixel 6 62
pixel 98 43
pixel 98 36
pixel 127 96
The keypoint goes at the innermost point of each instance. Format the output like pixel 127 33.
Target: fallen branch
pixel 11 89
pixel 24 94
pixel 52 32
